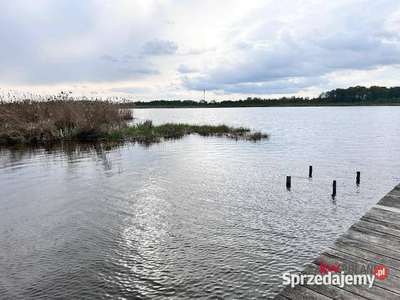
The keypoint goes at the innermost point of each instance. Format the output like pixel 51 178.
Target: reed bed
pixel 56 120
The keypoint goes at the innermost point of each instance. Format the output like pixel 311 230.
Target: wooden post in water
pixel 288 182
pixel 358 178
pixel 310 172
pixel 334 188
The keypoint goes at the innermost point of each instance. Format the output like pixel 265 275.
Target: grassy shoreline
pixel 28 122
pixel 146 132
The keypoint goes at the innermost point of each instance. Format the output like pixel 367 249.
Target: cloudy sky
pixel 144 49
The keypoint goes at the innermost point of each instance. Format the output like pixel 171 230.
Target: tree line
pixel 358 95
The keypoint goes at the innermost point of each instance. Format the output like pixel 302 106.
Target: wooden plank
pixel 391 200
pixel 368 247
pixel 352 259
pixel 380 209
pixel 330 291
pixel 390 283
pixel 377 227
pixel 393 239
pixel 369 256
pixel 381 218
pixel 374 292
pixel 380 222
pixel 380 214
pixel 395 191
pixel 372 241
pixel 385 211
pixel 381 241
pixel 389 208
pixel 334 292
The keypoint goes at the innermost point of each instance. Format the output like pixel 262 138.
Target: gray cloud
pixel 75 42
pixel 185 69
pixel 252 47
pixel 159 47
pixel 196 51
pixel 284 86
pixel 267 56
pixel 140 71
pixel 127 57
pixel 109 58
pixel 131 90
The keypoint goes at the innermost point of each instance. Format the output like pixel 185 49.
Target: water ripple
pixel 197 218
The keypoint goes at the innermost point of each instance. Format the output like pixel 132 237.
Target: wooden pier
pixel 372 241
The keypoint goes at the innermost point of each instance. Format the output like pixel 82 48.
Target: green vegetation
pixel 58 120
pixel 148 133
pixel 356 96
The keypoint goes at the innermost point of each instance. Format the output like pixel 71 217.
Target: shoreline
pixel 30 122
pixel 264 106
pixel 143 133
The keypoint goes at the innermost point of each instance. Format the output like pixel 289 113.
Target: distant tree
pixel 356 94
pixel 323 95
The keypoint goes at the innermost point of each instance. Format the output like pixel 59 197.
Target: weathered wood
pixel 377 227
pixel 370 256
pixel 367 260
pixel 384 215
pixel 368 247
pixel 288 182
pixel 390 283
pixel 380 222
pixel 334 188
pixel 395 192
pixel 392 238
pixel 330 291
pixel 372 241
pixel 374 292
pixel 391 200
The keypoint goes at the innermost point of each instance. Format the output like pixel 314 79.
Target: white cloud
pixel 159 48
pixel 185 69
pixel 305 42
pixel 231 47
pixel 109 58
pixel 131 90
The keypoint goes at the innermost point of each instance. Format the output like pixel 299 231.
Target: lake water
pixel 196 218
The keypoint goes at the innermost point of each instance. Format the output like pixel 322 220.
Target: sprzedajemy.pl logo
pixel 327 277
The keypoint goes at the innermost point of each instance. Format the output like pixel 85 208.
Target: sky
pixel 146 50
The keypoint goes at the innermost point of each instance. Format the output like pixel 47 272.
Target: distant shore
pixel 249 106
pixel 352 96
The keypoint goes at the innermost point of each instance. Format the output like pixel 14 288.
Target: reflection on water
pixel 193 218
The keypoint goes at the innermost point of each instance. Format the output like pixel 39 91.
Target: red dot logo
pixel 381 272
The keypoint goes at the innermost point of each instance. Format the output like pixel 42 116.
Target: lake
pixel 195 218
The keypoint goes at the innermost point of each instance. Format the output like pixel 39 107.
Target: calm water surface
pixel 196 218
